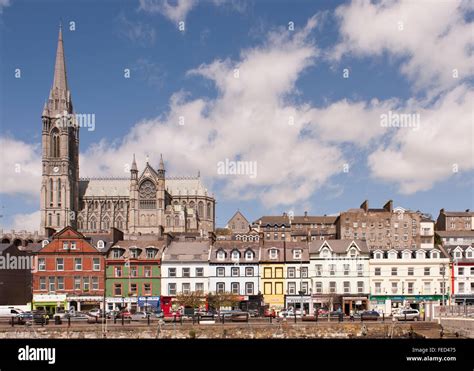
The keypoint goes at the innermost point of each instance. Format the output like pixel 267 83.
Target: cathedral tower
pixel 60 155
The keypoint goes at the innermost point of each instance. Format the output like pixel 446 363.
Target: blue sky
pixel 111 36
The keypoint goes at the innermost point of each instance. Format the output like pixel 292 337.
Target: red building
pixel 68 272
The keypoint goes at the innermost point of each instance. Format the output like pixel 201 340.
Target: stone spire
pixel 161 169
pixel 134 164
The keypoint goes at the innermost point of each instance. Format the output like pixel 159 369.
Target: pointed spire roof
pixel 162 164
pixel 60 77
pixel 134 164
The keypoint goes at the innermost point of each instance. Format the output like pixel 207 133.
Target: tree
pixel 192 299
pixel 222 299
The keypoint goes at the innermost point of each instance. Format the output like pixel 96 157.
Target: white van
pixel 9 312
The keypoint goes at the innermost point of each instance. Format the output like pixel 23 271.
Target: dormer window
pixel 297 254
pixel 73 245
pixel 469 253
pixel 150 253
pixel 248 255
pixel 44 243
pixel 392 255
pixel 100 244
pixel 406 255
pixel 325 253
pixel 220 255
pixel 353 253
pixel 420 254
pixel 235 255
pixel 65 245
pixel 378 255
pixel 435 254
pixel 457 254
pixel 116 253
pixel 134 253
pixel 273 253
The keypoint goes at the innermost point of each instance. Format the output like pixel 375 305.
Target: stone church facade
pixel 145 203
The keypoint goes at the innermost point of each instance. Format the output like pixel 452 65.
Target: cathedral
pixel 146 203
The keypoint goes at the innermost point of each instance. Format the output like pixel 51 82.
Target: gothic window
pixel 106 223
pixel 168 221
pixel 58 220
pixel 59 192
pixel 147 194
pixel 51 191
pixel 119 223
pixel 201 209
pixel 55 143
pixel 50 219
pixel 208 211
pixel 93 223
pixel 80 224
pixel 191 205
pixel 176 221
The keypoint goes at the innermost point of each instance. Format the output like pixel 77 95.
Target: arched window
pixel 147 195
pixel 235 255
pixel 176 221
pixel 119 223
pixel 201 209
pixel 58 219
pixel 248 255
pixel 191 205
pixel 208 211
pixel 50 219
pixel 51 192
pixel 59 192
pixel 93 223
pixel 168 221
pixel 106 223
pixel 80 223
pixel 55 152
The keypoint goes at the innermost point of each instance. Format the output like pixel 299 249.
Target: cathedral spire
pixel 134 164
pixel 60 78
pixel 162 164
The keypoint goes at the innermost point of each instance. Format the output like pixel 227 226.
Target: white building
pixel 234 268
pixel 462 256
pixel 339 273
pixel 298 283
pixel 408 278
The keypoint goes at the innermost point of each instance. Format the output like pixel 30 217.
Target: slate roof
pixel 230 245
pixel 186 251
pixel 337 246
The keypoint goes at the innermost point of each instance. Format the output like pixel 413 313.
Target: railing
pixel 452 311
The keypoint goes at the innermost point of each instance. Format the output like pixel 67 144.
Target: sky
pixel 307 96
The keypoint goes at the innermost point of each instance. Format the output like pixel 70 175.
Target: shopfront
pixel 148 303
pixel 394 303
pixel 49 303
pixel 85 303
pixel 295 301
pixel 463 299
pixel 252 303
pixel 129 303
pixel 355 304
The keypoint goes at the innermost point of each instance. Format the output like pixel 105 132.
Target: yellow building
pixel 272 274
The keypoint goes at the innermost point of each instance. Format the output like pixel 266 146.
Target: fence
pixel 453 311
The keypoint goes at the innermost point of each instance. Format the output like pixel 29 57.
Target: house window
pixel 410 287
pixel 221 255
pixel 116 253
pixel 171 272
pixel 267 288
pixel 360 270
pixel 273 254
pixel 65 245
pixel 332 269
pixel 377 271
pixel 59 264
pixel 394 271
pixel 304 272
pixel 427 271
pixel 249 271
pixel 427 287
pixel 96 264
pixel 235 271
pixel 460 271
pixel 406 255
pixel 118 289
pixel 458 254
pixel 235 255
pixel 394 287
pixel 95 283
pixel 267 273
pixel 186 272
pixel 133 253
pixel 318 269
pixel 186 288
pixel 279 273
pixel 60 281
pixel 234 286
pixel 378 255
pixel 360 287
pixel 41 264
pixel 42 283
pixel 318 287
pixel 411 271
pixel 378 287
pixel 291 272
pixel 249 255
pixel 249 288
pixel 220 287
pixel 172 289
pixel 346 269
pixel 118 271
pixel 78 264
pixel 279 288
pixel 85 283
pixel 220 271
pixel 291 288
pixel 73 245
pixel 147 289
pixel 332 287
pixel 150 253
pixel 304 287
pixel 199 272
pixel 347 287
pixel 147 271
pixel 77 283
pixel 133 271
pixel 297 254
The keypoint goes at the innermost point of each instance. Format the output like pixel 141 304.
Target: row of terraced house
pixel 363 258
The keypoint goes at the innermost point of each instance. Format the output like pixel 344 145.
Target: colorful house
pixel 272 277
pixel 133 272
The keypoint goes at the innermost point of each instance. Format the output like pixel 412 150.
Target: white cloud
pixel 20 167
pixel 175 12
pixel 435 39
pixel 4 4
pixel 136 31
pixel 416 159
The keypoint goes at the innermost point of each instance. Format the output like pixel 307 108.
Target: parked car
pixel 269 313
pixel 407 314
pixel 239 317
pixel 25 317
pixel 40 317
pixel 125 314
pixel 290 313
pixel 96 312
pixel 370 315
pixel 63 314
pixel 158 314
pixel 9 313
pixel 139 316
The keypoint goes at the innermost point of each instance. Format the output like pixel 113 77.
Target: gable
pixel 68 232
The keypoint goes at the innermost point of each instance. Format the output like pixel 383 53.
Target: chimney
pixel 388 206
pixel 284 213
pixel 468 210
pixel 365 205
pixel 212 237
pixel 441 211
pixel 305 214
pixel 261 238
